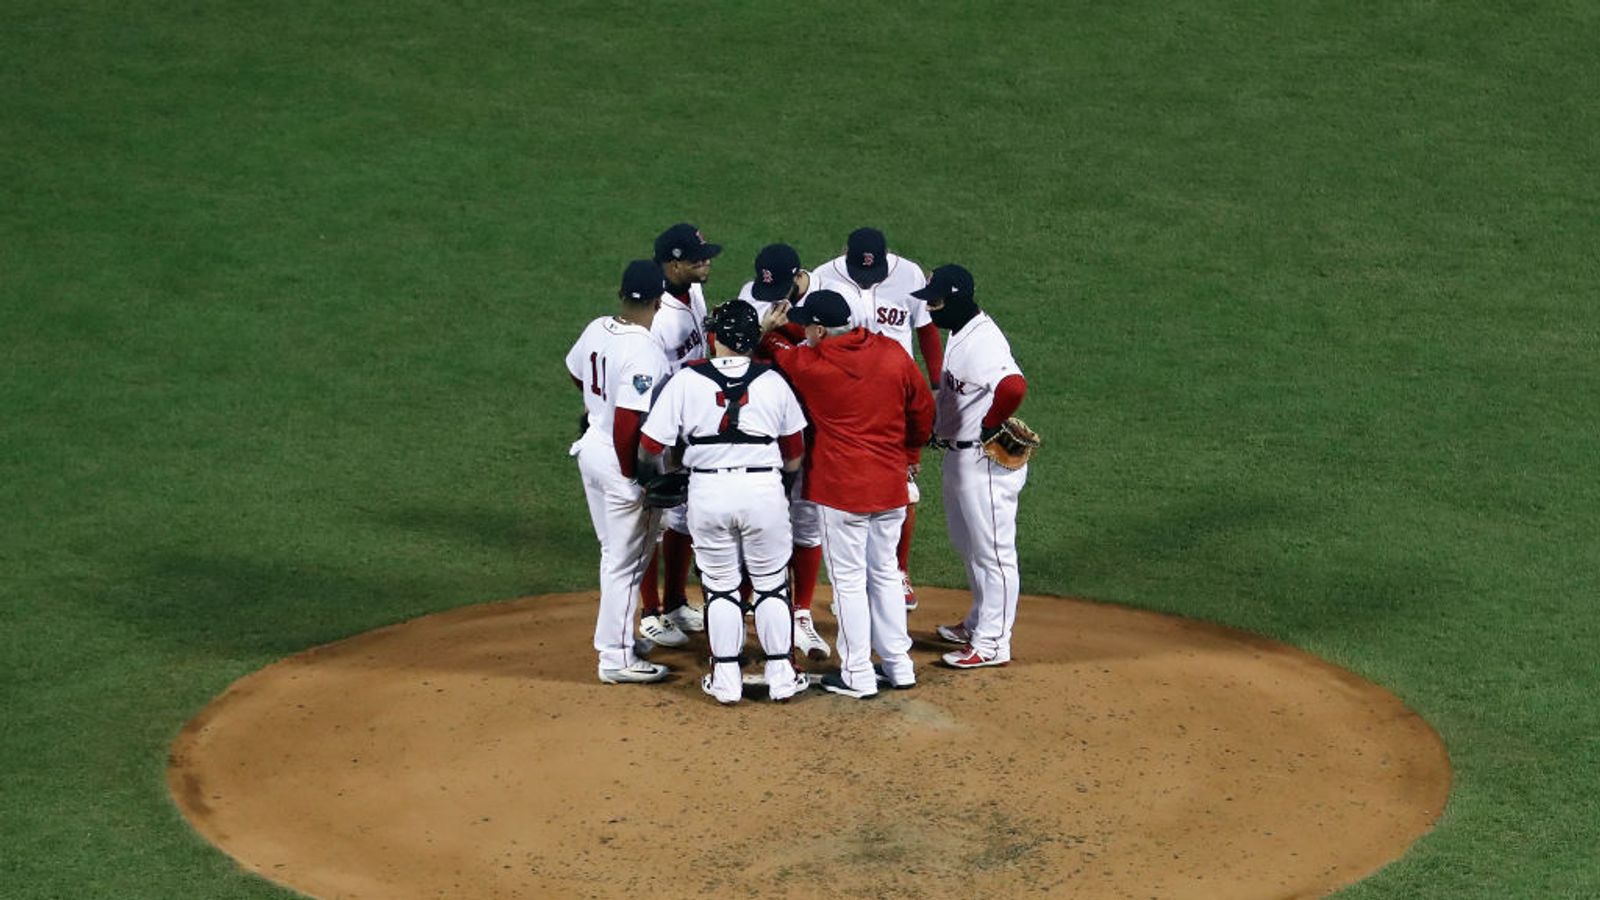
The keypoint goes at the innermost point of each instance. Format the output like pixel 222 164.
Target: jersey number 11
pixel 597 375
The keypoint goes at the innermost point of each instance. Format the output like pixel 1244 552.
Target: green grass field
pixel 1306 295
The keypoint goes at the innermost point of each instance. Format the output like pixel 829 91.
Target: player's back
pixel 858 391
pixel 696 409
pixel 616 361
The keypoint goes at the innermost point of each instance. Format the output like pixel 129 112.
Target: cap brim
pixel 867 276
pixel 927 292
pixel 771 293
pixel 799 315
pixel 705 252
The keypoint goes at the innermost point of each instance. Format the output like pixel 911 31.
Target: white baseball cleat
pixel 687 618
pixel 782 693
pixel 806 638
pixel 663 631
pixel 955 634
pixel 705 687
pixel 640 672
pixel 968 657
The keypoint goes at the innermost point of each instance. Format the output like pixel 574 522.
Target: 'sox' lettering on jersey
pixel 954 383
pixel 888 315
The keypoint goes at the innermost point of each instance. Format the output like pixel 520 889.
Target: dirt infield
pixel 1123 754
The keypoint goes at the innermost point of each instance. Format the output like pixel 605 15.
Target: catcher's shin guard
pixel 775 624
pixel 724 627
pixel 774 614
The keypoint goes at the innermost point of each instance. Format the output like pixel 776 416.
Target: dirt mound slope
pixel 1122 754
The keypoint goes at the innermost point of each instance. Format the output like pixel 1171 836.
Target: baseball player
pixel 617 364
pixel 685 259
pixel 779 278
pixel 872 412
pixel 740 425
pixel 982 388
pixel 881 288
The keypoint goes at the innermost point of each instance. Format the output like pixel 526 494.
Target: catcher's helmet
pixel 736 326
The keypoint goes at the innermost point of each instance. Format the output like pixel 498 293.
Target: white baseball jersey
pixel 980 496
pixel 887 307
pixel 976 358
pixel 762 306
pixel 692 405
pixel 680 327
pixel 619 364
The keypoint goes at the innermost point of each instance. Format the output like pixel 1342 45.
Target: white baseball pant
pixel 980 506
pixel 627 532
pixel 740 523
pixel 859 549
pixel 803 518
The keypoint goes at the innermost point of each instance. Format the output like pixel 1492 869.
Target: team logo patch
pixel 766 276
pixel 641 383
pixel 867 259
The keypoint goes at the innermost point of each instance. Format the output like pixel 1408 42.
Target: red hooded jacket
pixel 871 410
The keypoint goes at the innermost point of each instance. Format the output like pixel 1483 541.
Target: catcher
pixel 741 426
pixel 985 464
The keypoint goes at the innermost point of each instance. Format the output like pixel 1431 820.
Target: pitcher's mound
pixel 1122 754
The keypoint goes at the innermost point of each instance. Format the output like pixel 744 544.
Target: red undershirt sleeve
pixel 1007 397
pixel 932 351
pixel 792 446
pixel 625 436
pixel 651 445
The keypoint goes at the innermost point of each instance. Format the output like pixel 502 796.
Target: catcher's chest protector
pixel 732 395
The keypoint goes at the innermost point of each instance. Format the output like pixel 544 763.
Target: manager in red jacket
pixel 872 412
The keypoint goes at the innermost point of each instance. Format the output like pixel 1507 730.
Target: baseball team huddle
pixel 783 431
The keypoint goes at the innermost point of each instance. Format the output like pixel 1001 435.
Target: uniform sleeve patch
pixel 641 383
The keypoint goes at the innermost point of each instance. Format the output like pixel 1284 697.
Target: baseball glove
pixel 1012 444
pixel 666 490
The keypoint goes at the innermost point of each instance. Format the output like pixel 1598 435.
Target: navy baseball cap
pixel 866 256
pixel 948 282
pixel 643 280
pixel 776 266
pixel 826 308
pixel 684 242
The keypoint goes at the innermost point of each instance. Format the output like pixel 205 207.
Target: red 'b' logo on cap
pixel 766 276
pixel 866 259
